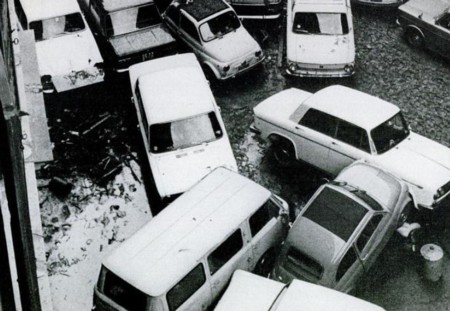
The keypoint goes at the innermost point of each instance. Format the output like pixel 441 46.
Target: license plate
pixel 148 56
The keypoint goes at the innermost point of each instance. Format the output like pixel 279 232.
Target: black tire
pixel 415 38
pixel 283 152
pixel 265 264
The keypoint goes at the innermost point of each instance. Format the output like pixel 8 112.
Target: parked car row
pixel 319 40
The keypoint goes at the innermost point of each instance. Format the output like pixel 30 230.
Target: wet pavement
pixel 415 80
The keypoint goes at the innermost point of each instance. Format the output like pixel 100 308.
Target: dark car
pixel 427 24
pixel 128 32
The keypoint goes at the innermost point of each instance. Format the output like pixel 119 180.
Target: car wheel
pixel 414 37
pixel 265 264
pixel 283 152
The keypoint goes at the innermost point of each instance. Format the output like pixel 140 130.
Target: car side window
pixel 21 14
pixel 186 287
pixel 444 21
pixel 262 216
pixel 141 109
pixel 319 121
pixel 189 28
pixel 173 14
pixel 368 231
pixel 353 135
pixel 222 254
pixel 347 261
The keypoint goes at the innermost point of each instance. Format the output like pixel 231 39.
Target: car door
pixel 190 35
pixel 347 272
pixel 266 231
pixel 350 144
pixel 232 254
pixel 192 292
pixel 441 34
pixel 313 136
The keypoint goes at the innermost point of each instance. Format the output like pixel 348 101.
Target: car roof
pixel 164 250
pixel 249 292
pixel 306 296
pixel 361 109
pixel 376 182
pixel 36 10
pixel 416 7
pixel 320 6
pixel 172 88
pixel 115 5
pixel 201 9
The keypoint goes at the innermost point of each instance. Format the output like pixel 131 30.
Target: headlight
pixel 439 193
pixel 226 68
pixel 292 67
pixel 258 53
pixel 348 68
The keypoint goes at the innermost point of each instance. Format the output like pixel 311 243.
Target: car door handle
pixel 334 143
pixel 298 127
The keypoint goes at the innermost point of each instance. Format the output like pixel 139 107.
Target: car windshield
pixel 320 23
pixel 390 133
pixel 184 133
pixel 336 212
pixel 220 25
pixel 123 293
pixel 132 19
pixel 57 26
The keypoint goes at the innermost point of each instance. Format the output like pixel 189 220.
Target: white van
pixel 68 56
pixel 180 122
pixel 185 256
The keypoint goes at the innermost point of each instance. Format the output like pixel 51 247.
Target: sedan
pixel 344 227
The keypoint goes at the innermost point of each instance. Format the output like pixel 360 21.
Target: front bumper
pixel 241 67
pixel 318 72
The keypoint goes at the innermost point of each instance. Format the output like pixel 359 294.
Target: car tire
pixel 265 263
pixel 283 152
pixel 415 38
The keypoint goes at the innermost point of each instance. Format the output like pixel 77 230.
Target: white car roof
pixel 416 7
pixel 361 109
pixel 172 88
pixel 320 6
pixel 36 10
pixel 306 296
pixel 250 292
pixel 163 251
pixel 115 5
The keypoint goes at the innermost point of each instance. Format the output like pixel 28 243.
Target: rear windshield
pixel 57 26
pixel 184 133
pixel 123 293
pixel 219 26
pixel 320 23
pixel 336 212
pixel 131 20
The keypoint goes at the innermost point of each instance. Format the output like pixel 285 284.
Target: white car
pixel 215 34
pixel 249 292
pixel 180 122
pixel 338 125
pixel 67 54
pixel 320 40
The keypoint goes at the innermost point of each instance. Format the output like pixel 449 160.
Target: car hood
pixel 249 292
pixel 233 46
pixel 320 49
pixel 315 241
pixel 176 171
pixel 141 40
pixel 420 161
pixel 67 53
pixel 281 106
